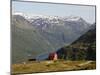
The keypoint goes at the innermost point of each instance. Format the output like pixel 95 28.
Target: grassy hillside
pixel 84 48
pixel 26 41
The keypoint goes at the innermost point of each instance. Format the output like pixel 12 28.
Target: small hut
pixel 53 56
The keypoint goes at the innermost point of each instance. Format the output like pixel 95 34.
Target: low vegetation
pixel 52 66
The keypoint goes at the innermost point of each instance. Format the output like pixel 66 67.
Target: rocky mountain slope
pixel 36 35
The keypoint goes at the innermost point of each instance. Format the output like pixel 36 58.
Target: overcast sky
pixel 86 12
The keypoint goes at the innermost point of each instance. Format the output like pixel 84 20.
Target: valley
pixel 40 35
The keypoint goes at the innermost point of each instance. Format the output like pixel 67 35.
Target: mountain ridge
pixel 84 48
pixel 30 39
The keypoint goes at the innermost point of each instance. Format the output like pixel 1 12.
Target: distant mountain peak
pixel 36 16
pixel 21 14
pixel 72 18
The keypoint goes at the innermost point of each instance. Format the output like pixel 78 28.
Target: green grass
pixel 52 66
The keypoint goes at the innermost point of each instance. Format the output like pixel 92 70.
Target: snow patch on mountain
pixel 45 21
pixel 72 18
pixel 31 17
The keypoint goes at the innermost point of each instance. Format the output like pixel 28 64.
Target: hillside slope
pixel 26 40
pixel 84 48
pixel 42 35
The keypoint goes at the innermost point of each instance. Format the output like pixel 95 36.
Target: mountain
pixel 33 36
pixel 26 40
pixel 84 48
pixel 60 30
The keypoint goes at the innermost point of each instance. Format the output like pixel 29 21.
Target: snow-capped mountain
pixel 55 23
pixel 47 23
pixel 33 33
pixel 32 17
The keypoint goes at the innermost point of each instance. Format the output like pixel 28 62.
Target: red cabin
pixel 53 56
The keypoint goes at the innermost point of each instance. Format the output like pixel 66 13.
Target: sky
pixel 51 9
